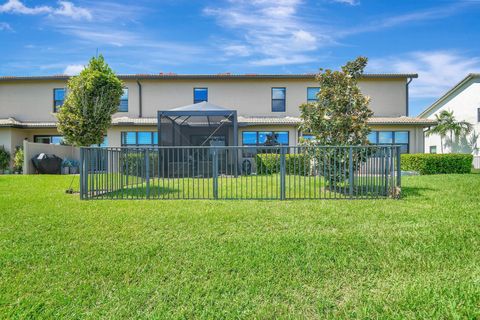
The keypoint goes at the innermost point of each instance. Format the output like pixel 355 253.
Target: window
pixel 278 99
pixel 58 98
pixel 385 137
pixel 264 138
pixel 433 149
pixel 312 94
pixel 48 139
pixel 249 138
pixel 308 137
pixel 139 138
pixel 400 138
pixel 200 95
pixel 478 115
pixel 123 107
pixel 372 137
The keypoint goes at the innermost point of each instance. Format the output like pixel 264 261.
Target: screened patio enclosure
pixel 199 124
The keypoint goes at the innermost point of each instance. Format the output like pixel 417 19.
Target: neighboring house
pixel 266 106
pixel 464 100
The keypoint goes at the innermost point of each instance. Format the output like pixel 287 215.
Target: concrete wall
pixel 33 100
pixel 32 149
pixel 464 104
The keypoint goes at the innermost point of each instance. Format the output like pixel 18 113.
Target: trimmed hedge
pixel 268 163
pixel 134 163
pixel 437 163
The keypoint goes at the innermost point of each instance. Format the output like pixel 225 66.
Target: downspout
pixel 140 111
pixel 406 95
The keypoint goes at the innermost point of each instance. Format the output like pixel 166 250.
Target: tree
pixel 92 98
pixel 447 124
pixel 340 114
pixel 4 158
pixel 338 118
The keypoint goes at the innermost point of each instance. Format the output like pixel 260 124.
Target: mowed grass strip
pixel 417 257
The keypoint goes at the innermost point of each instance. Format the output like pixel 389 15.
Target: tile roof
pixel 401 120
pixel 242 121
pixel 245 121
pixel 11 122
pixel 310 76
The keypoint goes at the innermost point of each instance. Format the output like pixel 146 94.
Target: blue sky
pixel 438 39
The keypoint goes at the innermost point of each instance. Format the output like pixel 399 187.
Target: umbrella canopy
pixel 177 126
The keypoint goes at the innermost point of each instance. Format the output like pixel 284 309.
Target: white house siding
pixel 464 103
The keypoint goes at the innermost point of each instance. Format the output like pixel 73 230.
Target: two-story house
pixel 464 101
pixel 265 105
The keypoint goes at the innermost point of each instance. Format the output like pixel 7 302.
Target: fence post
pixel 387 168
pixel 399 168
pixel 82 173
pixel 282 172
pixel 392 170
pixel 350 171
pixel 215 172
pixel 147 173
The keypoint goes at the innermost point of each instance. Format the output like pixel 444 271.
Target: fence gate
pixel 257 172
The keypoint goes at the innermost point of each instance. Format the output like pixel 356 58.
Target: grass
pixel 389 259
pixel 117 186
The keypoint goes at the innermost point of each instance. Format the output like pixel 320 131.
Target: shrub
pixel 268 163
pixel 133 163
pixel 4 158
pixel 18 159
pixel 437 163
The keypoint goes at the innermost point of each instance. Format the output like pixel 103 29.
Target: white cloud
pixel 434 13
pixel 73 69
pixel 68 9
pixel 16 6
pixel 236 50
pixel 438 70
pixel 65 8
pixel 5 27
pixel 298 59
pixel 272 31
pixel 350 2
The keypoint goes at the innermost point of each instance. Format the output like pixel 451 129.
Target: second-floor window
pixel 278 99
pixel 312 94
pixel 478 115
pixel 123 107
pixel 200 95
pixel 58 98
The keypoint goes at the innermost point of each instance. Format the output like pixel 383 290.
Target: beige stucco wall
pixel 32 149
pixel 6 138
pixel 33 100
pixel 28 100
pixel 253 98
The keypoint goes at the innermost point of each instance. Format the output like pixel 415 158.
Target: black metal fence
pixel 279 172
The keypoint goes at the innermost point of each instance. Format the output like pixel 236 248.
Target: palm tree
pixel 447 124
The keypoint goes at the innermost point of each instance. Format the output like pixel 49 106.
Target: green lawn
pixel 417 257
pixel 116 186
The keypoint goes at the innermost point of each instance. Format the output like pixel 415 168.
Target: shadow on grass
pixel 415 192
pixel 141 192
